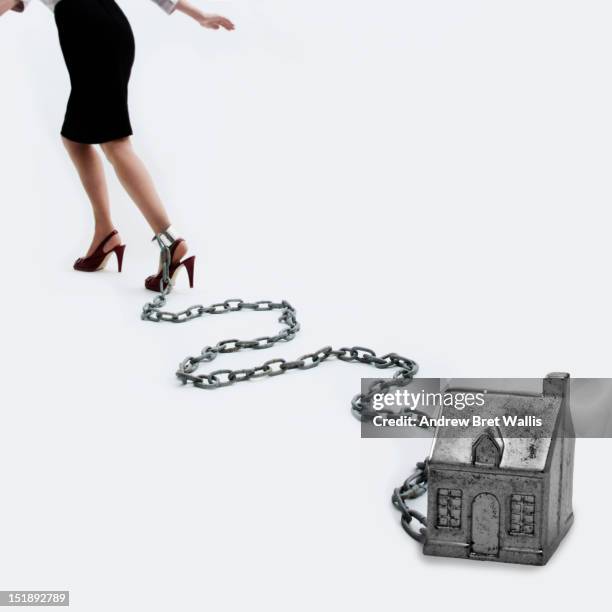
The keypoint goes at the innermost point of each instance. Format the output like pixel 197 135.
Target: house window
pixel 522 510
pixel 449 508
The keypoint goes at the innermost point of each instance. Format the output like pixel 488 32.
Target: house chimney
pixel 557 383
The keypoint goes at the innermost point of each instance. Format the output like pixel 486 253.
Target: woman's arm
pixel 10 5
pixel 214 22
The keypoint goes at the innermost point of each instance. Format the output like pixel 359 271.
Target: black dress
pixel 98 47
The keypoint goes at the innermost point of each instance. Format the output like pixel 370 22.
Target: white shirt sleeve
pixel 168 6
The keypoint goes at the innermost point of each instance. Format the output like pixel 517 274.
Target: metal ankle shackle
pixel 165 240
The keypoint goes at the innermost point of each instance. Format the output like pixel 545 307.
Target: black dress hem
pixel 96 141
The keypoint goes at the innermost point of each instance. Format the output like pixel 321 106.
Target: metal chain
pixel 413 487
pixel 361 408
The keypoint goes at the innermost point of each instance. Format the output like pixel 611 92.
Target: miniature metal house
pixel 499 498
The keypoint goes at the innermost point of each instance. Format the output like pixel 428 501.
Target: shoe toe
pixel 152 283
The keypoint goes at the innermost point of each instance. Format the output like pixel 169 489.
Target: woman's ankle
pixel 103 229
pixel 100 233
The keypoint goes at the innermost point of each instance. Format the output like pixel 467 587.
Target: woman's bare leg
pixel 137 181
pixel 91 172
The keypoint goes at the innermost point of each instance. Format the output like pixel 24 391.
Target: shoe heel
pixel 190 266
pixel 119 251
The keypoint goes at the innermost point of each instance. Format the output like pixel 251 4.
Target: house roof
pixel 524 447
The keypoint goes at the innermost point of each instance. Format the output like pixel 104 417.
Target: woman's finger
pixel 224 22
pixel 214 23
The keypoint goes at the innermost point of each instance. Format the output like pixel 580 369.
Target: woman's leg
pixel 137 181
pixel 91 172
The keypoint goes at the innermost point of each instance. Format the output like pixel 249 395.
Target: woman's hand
pixel 214 22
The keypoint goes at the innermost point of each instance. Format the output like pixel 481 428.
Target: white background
pixel 430 178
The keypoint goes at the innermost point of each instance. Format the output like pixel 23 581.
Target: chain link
pixel 414 486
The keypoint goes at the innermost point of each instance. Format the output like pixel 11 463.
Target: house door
pixel 485 525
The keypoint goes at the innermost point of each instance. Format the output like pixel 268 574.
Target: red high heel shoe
pixel 99 258
pixel 154 282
